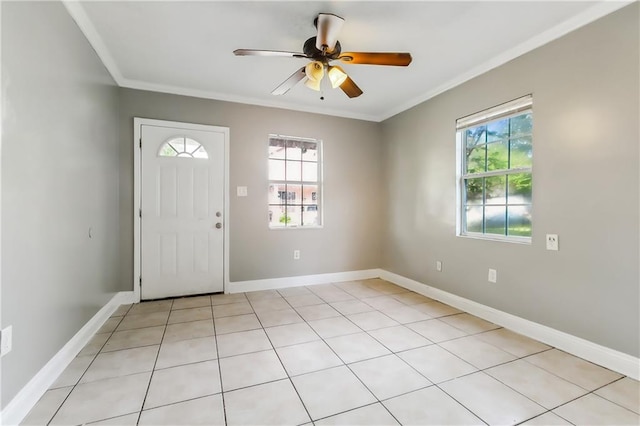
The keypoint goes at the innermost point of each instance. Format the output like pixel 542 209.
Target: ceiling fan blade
pixel 377 58
pixel 276 53
pixel 290 82
pixel 350 88
pixel 329 26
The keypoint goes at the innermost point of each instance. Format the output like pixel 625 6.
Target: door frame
pixel 138 122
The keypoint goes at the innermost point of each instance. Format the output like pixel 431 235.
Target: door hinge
pixel 140 143
pixel 140 282
pixel 140 213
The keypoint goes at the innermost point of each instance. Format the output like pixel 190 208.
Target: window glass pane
pixel 498 130
pixel 519 188
pixel 276 170
pixel 310 151
pixel 310 215
pixel 293 170
pixel 276 148
pixel 200 153
pixel 277 215
pixel 310 194
pixel 473 218
pixel 521 154
pixel 167 151
pixel 276 193
pixel 294 194
pixel 473 189
pixel 191 146
pixel 495 220
pixel 498 156
pixel 177 144
pixel 294 216
pixel 476 159
pixel 495 189
pixel 310 172
pixel 521 124
pixel 520 220
pixel 475 136
pixel 294 151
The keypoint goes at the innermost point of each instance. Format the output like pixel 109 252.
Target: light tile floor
pixel 351 353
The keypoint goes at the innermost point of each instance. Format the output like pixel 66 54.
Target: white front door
pixel 182 200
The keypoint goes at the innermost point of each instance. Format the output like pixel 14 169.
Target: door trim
pixel 137 192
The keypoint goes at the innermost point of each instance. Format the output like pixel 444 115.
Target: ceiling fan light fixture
pixel 313 84
pixel 337 76
pixel 314 71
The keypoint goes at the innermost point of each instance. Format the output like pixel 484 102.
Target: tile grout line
pixel 282 364
pixel 593 392
pixel 215 335
pixel 80 378
pixel 406 363
pixel 153 370
pixel 344 365
pixel 604 397
pixel 378 401
pixel 413 368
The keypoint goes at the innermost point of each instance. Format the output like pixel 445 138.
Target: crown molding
pixel 183 91
pixel 595 12
pixel 78 14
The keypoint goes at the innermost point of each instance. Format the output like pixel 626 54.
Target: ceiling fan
pixel 322 50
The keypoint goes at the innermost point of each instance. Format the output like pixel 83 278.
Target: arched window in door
pixel 182 146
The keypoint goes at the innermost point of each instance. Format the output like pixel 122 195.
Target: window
pixel 494 172
pixel 182 147
pixel 295 169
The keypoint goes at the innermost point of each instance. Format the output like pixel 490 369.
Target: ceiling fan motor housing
pixel 314 53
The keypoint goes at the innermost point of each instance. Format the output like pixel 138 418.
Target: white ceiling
pixel 186 47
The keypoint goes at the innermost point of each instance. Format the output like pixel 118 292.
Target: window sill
pixel 294 228
pixel 498 238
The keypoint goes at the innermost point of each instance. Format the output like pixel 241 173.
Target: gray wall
pixel 586 184
pixel 352 180
pixel 59 177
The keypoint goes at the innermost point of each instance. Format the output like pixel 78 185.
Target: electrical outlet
pixel 493 275
pixel 5 341
pixel 438 266
pixel 241 191
pixel 296 255
pixel 552 242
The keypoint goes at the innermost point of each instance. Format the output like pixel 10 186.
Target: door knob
pixel 218 225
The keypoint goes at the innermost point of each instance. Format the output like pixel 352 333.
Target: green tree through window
pixel 495 180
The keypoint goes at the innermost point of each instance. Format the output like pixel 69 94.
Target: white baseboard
pixel 23 402
pixel 598 354
pixel 276 283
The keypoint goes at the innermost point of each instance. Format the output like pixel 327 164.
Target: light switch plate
pixel 241 191
pixel 552 242
pixel 6 340
pixel 493 276
pixel 438 266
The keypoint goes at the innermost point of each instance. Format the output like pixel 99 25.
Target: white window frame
pixel 319 201
pixel 509 109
